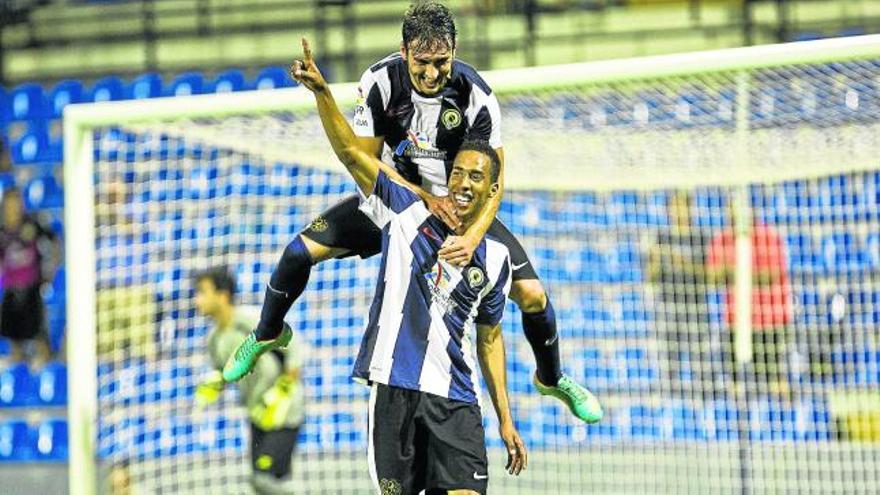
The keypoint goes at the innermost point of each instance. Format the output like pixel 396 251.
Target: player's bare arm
pixel 490 351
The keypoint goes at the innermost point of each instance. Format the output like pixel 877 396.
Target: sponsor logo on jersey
pixel 439 285
pixel 418 145
pixel 451 118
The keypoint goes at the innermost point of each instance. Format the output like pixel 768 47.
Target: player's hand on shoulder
pixel 442 208
pixel 306 72
pixel 517 456
pixel 458 250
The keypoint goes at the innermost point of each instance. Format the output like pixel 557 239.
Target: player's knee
pixel 529 295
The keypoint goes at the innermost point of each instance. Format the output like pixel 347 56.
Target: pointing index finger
pixel 307 51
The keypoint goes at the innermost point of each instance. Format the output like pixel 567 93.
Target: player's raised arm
pixel 363 167
pixel 490 351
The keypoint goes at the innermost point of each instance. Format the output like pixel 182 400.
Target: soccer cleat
pixel 579 400
pixel 245 357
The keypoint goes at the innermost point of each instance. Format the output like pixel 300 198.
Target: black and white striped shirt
pixel 425 131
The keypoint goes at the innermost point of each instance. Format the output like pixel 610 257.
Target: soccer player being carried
pixel 416 108
pixel 425 424
pixel 273 394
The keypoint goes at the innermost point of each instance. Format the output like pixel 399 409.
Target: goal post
pixel 594 153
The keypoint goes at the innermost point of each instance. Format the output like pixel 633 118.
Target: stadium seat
pixel 273 78
pixel 43 192
pixel 52 384
pixel 64 93
pixel 144 86
pixel 639 368
pixel 5 109
pixel 646 422
pixel 51 440
pixel 5 348
pixel 16 442
pixel 802 254
pixel 188 83
pixel 710 206
pixel 16 386
pixel 107 89
pixel 28 102
pixel 32 147
pixel 840 253
pixel 871 255
pixel 228 81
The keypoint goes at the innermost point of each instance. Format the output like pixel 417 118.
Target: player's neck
pixel 224 316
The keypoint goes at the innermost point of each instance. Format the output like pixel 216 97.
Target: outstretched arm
pixel 363 167
pixel 490 350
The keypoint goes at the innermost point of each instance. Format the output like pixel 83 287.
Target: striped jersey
pixel 424 312
pixel 423 134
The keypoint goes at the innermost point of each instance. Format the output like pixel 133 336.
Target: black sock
pixel 540 328
pixel 287 283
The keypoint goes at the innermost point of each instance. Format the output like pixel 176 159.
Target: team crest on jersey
pixel 390 487
pixel 318 225
pixel 475 277
pixel 451 118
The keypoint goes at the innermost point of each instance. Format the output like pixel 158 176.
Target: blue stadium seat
pixel 5 109
pixel 840 253
pixel 646 422
pixel 43 192
pixel 16 386
pixel 52 384
pixel 272 78
pixel 32 147
pixel 64 93
pixel 802 254
pixel 16 443
pixel 710 207
pixel 228 81
pixel 5 347
pixel 640 368
pixel 27 102
pixel 188 83
pixel 144 86
pixel 107 89
pixel 51 440
pixel 687 423
pixel 871 255
pixel 595 371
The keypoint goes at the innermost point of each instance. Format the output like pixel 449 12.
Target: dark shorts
pixel 23 315
pixel 420 441
pixel 345 226
pixel 272 451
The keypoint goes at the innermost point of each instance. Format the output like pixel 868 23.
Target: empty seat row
pixel 23 442
pixel 31 101
pixel 20 388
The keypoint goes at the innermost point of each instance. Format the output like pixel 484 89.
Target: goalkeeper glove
pixel 209 390
pixel 271 412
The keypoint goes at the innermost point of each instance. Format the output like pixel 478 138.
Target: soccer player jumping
pixel 417 107
pixel 425 425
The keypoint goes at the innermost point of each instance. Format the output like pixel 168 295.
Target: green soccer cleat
pixel 245 357
pixel 579 400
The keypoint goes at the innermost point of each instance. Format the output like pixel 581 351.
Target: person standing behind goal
pixel 273 394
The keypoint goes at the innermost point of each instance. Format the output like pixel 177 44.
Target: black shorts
pixel 419 441
pixel 23 314
pixel 345 226
pixel 272 451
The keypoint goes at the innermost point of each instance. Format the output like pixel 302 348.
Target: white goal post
pixel 554 147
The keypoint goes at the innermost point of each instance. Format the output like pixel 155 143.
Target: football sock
pixel 287 283
pixel 540 330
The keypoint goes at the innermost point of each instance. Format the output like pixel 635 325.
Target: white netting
pixel 635 244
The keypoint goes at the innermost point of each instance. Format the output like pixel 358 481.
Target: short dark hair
pixel 220 276
pixel 482 146
pixel 428 23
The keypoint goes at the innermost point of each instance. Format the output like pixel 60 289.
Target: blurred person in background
pixel 677 270
pixel 771 299
pixel 30 254
pixel 273 393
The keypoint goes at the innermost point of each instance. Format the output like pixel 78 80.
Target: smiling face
pixel 470 184
pixel 429 65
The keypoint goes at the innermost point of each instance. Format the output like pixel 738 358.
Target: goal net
pixel 706 226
